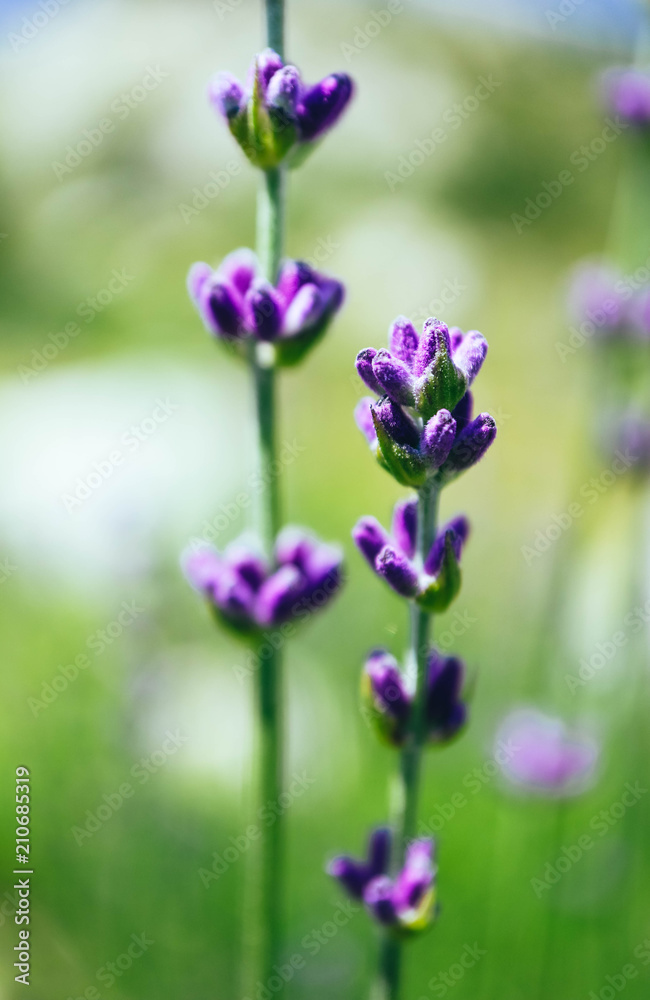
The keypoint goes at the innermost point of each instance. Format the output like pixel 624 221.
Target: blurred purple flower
pixel 236 303
pixel 627 91
pixel 390 700
pixel 249 595
pixel 406 902
pixel 547 757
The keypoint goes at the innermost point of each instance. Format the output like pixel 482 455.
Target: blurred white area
pixel 60 438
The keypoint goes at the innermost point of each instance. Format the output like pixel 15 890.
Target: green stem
pixel 411 756
pixel 269 693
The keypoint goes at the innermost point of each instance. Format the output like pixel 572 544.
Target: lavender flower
pixel 601 297
pixel 428 376
pixel 627 92
pixel 405 903
pixel 548 758
pixel 437 582
pixel 276 116
pixel 237 304
pixel 389 700
pixel 250 595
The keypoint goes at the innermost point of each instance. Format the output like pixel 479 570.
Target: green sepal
pixel 405 464
pixel 446 586
pixel 442 386
pixel 381 723
pixel 292 350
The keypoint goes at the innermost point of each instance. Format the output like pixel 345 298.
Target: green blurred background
pixel 441 240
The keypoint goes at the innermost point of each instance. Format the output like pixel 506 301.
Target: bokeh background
pixel 104 245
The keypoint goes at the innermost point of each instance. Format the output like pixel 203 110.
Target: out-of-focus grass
pixel 450 222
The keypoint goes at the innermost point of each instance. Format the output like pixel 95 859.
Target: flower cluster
pixel 627 92
pixel 618 307
pixel 405 903
pixel 275 116
pixel 435 585
pixel 389 699
pixel 421 428
pixel 250 595
pixel 237 304
pixel 549 759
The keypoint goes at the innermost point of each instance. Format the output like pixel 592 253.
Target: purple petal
pixel 462 412
pixel 378 897
pixel 202 569
pixel 394 378
pixel 355 875
pixel 628 92
pixel 459 529
pixel 434 340
pixel 305 310
pixel 437 438
pixel 283 90
pixel 370 538
pixel 470 354
pixel 403 340
pixel 278 595
pixel 293 275
pixel 198 275
pixel 265 310
pixel 405 526
pixel 470 446
pixel 365 369
pixel 226 94
pixel 395 422
pixel 398 571
pixel 267 64
pixel 387 685
pixel 221 308
pixel 415 878
pixel 294 545
pixel 322 105
pixel 542 754
pixel 240 268
pixel 445 711
pixel 247 564
pixel 364 421
pixel 323 568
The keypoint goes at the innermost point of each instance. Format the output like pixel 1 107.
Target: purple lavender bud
pixel 405 526
pixel 628 93
pixel 394 378
pixel 387 686
pixel 283 91
pixel 470 446
pixel 364 421
pixel 293 275
pixel 470 354
pixel 398 571
pixel 414 885
pixel 267 64
pixel 277 596
pixel 458 529
pixel 356 875
pixel 322 568
pixel 370 538
pixel 322 105
pixel 246 563
pixel 202 569
pixel 395 422
pixel 365 370
pixel 226 95
pixel 265 311
pixel 234 596
pixel 198 275
pixel 239 268
pixel 217 302
pixel 546 756
pixel 304 311
pixel 462 412
pixel 294 545
pixel 437 438
pixel 433 342
pixel 378 897
pixel 403 340
pixel 446 712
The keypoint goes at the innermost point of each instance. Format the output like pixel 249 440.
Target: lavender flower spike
pixel 237 304
pixel 628 93
pixel 547 758
pixel 276 117
pixel 406 903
